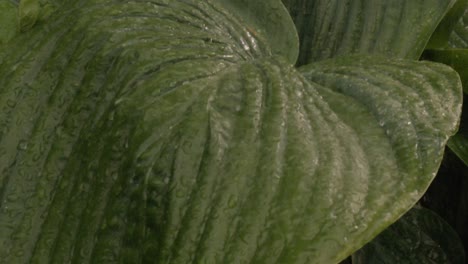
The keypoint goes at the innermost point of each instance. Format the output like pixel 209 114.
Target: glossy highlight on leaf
pixel 270 19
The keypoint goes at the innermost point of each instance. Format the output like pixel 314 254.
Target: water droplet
pixel 180 194
pixel 11 103
pixel 232 202
pixel 111 116
pixel 23 145
pixel 299 93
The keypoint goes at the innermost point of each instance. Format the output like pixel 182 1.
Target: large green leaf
pixel 420 236
pixel 398 28
pixel 165 131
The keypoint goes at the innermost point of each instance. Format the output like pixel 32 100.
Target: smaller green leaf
pixel 28 14
pixel 8 20
pixel 459 145
pixel 459 36
pixel 455 58
pixel 331 28
pixel 420 236
pixel 440 37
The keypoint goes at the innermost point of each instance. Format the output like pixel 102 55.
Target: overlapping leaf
pixel 421 236
pixel 455 54
pixel 444 30
pixel 395 28
pixel 169 132
pixel 459 36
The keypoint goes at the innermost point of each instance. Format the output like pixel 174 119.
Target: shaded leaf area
pixel 443 32
pixel 398 29
pixel 459 142
pixel 420 236
pixel 459 36
pixel 164 131
pixel 459 145
pixel 448 195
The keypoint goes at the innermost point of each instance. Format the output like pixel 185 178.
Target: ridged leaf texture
pixel 172 132
pixel 397 28
pixel 459 36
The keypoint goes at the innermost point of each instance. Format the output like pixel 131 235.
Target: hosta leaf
pixel 457 59
pixel 165 131
pixel 420 236
pixel 459 145
pixel 398 28
pixel 459 142
pixel 388 92
pixel 459 36
pixel 443 32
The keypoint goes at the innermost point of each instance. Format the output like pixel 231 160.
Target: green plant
pixel 164 131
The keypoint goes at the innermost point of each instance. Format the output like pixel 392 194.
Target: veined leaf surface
pixel 459 36
pixel 143 131
pixel 398 28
